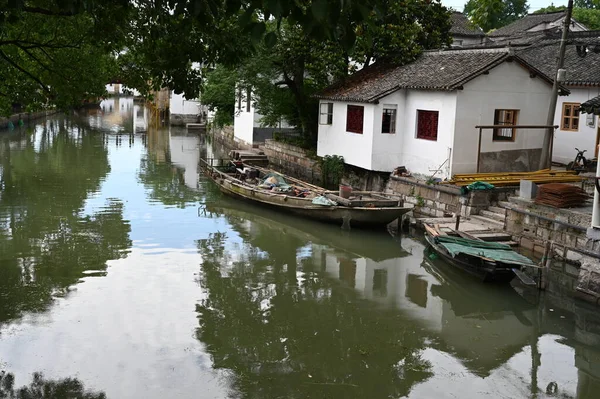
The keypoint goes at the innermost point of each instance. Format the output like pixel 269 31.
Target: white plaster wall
pixel 466 40
pixel 565 142
pixel 419 155
pixel 179 105
pixel 244 121
pixel 355 148
pixel 508 86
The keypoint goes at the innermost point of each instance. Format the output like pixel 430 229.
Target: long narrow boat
pixel 362 209
pixel 491 262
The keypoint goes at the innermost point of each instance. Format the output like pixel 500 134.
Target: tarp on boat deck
pixel 491 250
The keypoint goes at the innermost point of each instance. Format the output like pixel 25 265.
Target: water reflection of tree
pixel 281 336
pixel 42 388
pixel 45 241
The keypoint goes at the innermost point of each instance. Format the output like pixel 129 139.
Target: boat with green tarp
pixel 489 261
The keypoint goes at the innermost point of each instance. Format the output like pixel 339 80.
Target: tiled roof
pixel 526 23
pixel 581 71
pixel 436 70
pixel 461 26
pixel 591 106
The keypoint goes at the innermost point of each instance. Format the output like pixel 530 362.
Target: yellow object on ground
pixel 513 178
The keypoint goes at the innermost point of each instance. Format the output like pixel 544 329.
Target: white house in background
pixel 183 111
pixel 464 32
pixel 583 81
pixel 116 89
pixel 423 115
pixel 248 126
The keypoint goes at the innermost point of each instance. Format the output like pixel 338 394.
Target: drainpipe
pixel 546 159
pixel 595 230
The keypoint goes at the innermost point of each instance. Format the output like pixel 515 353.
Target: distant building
pixel 248 125
pixel 423 115
pixel 464 32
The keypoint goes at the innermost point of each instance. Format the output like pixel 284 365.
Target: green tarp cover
pixel 496 251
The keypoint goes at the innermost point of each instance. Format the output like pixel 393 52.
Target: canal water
pixel 125 273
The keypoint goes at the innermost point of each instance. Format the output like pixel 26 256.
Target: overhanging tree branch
pixel 18 67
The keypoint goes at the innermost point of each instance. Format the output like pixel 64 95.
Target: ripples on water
pixel 122 273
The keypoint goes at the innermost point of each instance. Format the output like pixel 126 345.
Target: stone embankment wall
pixel 292 160
pixel 440 200
pixel 576 255
pixel 25 117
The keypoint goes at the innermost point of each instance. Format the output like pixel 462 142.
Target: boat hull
pixel 349 216
pixel 483 270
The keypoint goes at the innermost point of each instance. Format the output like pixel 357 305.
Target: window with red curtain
pixel 427 125
pixel 354 118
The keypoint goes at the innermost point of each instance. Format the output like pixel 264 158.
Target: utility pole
pixel 546 159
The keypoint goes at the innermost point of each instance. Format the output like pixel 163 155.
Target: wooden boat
pixel 362 209
pixel 490 262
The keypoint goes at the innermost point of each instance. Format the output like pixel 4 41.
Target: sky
pixel 534 5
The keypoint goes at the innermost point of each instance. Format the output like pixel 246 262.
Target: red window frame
pixel 427 124
pixel 355 117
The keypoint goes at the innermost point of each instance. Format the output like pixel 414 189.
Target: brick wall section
pixel 292 160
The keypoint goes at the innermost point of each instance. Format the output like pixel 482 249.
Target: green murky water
pixel 122 273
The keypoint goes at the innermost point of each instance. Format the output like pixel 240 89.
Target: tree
pixel 494 14
pixel 285 74
pixel 52 54
pixel 42 388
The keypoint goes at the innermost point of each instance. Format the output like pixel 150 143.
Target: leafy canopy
pixel 494 14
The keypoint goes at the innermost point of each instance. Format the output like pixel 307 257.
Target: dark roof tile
pixel 583 71
pixel 436 70
pixel 526 23
pixel 591 106
pixel 461 26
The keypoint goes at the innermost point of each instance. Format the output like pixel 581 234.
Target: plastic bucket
pixel 345 191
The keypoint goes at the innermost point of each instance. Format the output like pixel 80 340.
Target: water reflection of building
pixel 185 153
pixel 140 118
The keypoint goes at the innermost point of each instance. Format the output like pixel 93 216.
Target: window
pixel 570 117
pixel 388 121
pixel 505 117
pixel 326 114
pixel 354 119
pixel 248 98
pixel 427 125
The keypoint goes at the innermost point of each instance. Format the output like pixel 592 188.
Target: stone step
pixel 493 223
pixel 504 204
pixel 498 210
pixel 494 236
pixel 493 215
pixel 511 243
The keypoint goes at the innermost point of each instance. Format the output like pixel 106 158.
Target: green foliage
pixel 218 93
pixel 51 54
pixel 494 14
pixel 292 139
pixel 332 170
pixel 420 201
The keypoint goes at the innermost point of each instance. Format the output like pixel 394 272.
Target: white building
pixel 249 128
pixel 583 81
pixel 183 111
pixel 423 115
pixel 116 89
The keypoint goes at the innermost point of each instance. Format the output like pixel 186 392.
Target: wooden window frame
pixel 496 136
pixel 349 127
pixel 574 107
pixel 326 112
pixel 424 112
pixel 393 117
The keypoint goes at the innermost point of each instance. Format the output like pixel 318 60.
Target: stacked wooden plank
pixel 543 176
pixel 561 195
